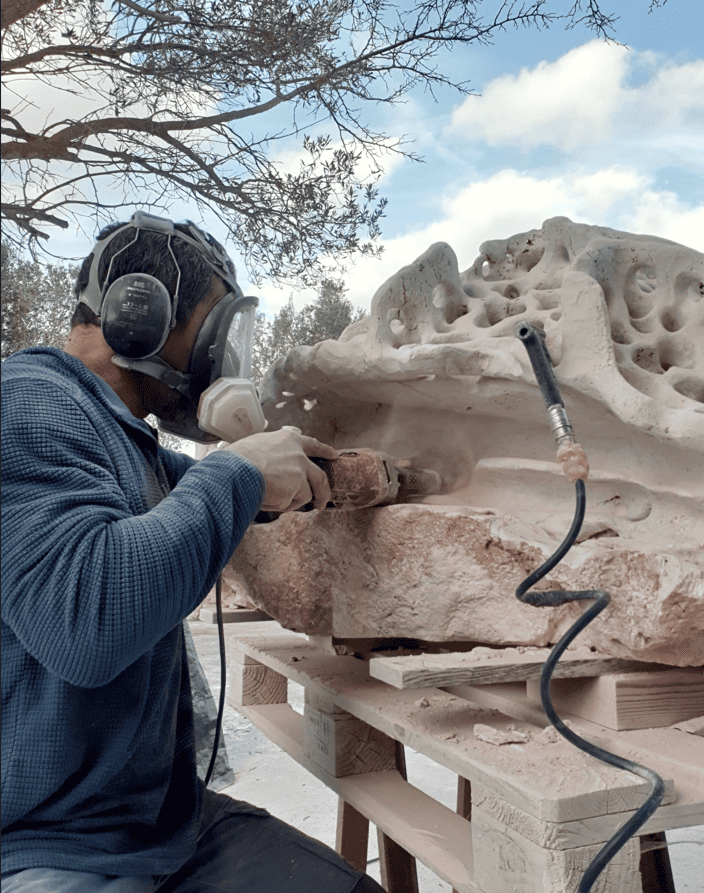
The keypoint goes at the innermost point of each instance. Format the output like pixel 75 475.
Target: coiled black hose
pixel 552 598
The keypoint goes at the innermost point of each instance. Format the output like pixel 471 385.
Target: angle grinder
pixel 361 478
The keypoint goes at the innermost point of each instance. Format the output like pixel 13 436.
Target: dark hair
pixel 149 254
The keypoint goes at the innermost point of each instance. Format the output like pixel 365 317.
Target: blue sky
pixel 564 125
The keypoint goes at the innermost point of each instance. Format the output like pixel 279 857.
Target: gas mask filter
pixel 229 408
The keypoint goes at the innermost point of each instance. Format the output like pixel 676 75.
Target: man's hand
pixel 292 480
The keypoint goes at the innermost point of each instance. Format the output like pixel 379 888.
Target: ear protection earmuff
pixel 136 311
pixel 137 314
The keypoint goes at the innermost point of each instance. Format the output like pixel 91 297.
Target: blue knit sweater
pixel 98 766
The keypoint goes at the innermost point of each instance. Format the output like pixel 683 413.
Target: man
pixel 109 542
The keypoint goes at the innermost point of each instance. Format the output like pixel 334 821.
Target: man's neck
pixel 86 343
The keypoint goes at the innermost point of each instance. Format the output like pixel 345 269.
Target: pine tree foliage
pixel 326 317
pixel 37 302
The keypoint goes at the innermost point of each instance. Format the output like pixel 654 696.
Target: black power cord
pixel 552 598
pixel 223 679
pixel 540 359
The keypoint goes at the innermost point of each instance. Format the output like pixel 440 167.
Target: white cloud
pixel 663 214
pixel 673 98
pixel 511 202
pixel 561 103
pixel 583 100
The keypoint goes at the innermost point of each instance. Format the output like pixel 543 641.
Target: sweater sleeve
pixel 175 465
pixel 90 580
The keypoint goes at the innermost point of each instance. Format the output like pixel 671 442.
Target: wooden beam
pixel 254 684
pixel 398 866
pixel 352 835
pixel 464 801
pixel 622 701
pixel 488 667
pixel 342 744
pixel 655 868
pixel 504 859
pixel 233 615
pixel 417 822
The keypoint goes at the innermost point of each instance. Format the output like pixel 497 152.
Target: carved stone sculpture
pixel 435 375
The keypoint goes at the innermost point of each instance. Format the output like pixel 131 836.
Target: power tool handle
pixel 325 464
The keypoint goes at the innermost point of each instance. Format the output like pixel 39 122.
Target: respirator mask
pixel 137 313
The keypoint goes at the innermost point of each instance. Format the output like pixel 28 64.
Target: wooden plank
pixel 482 666
pixel 431 832
pixel 677 754
pixel 507 697
pixel 352 835
pixel 624 701
pixel 578 833
pixel 443 731
pixel 265 627
pixel 683 753
pixel 233 615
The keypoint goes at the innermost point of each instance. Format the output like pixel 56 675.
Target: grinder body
pixel 361 478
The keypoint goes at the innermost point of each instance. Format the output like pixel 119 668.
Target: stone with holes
pixel 436 376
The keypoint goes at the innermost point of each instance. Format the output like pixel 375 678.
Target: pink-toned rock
pixel 427 573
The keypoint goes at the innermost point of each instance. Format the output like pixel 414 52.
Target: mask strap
pixel 159 369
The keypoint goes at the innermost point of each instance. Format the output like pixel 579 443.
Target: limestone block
pixel 435 375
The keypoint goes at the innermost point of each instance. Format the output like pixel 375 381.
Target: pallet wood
pixel 517 820
pixel 623 701
pixel 342 744
pixel 504 859
pixel 441 730
pixel 233 615
pixel 505 665
pixel 421 825
pixel 255 684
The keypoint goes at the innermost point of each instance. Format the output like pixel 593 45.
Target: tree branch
pixel 14 10
pixel 22 215
pixel 151 13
